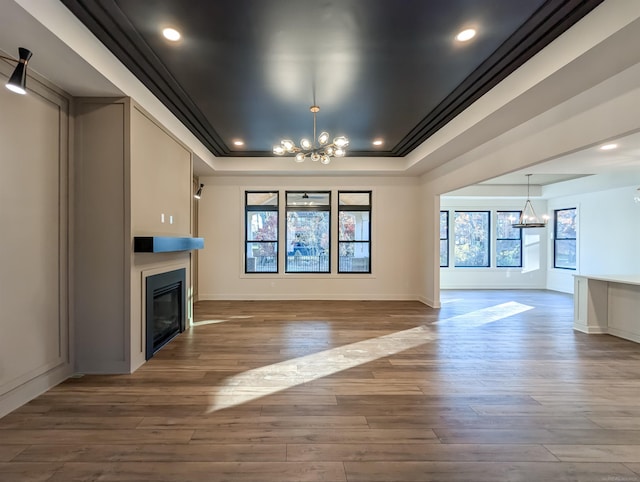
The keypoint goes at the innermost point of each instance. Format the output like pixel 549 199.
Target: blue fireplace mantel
pixel 165 244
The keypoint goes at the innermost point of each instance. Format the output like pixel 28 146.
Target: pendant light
pixel 528 216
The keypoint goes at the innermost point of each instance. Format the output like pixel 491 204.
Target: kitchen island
pixel 607 304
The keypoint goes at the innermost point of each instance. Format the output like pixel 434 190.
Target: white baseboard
pixel 429 302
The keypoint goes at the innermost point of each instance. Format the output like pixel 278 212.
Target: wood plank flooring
pixel 495 386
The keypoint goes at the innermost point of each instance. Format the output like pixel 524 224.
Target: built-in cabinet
pixel 132 178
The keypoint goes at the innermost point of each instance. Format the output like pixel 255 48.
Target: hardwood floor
pixel 495 386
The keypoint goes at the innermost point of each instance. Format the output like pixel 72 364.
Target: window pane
pixel 262 258
pixel 308 198
pixel 308 241
pixel 444 239
pixel 471 238
pixel 565 253
pixel 566 224
pixel 354 198
pixel 354 232
pixel 504 230
pixel 508 253
pixel 354 258
pixel 444 224
pixel 261 232
pixel 565 239
pixel 262 226
pixel 354 226
pixel 444 253
pixel 262 199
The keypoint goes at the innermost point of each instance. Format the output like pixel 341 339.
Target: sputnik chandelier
pixel 323 151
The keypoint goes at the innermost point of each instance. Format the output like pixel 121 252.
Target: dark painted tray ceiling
pixel 250 69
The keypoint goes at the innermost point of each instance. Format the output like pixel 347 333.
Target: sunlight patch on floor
pixel 452 300
pixel 487 315
pixel 207 322
pixel 214 322
pixel 259 382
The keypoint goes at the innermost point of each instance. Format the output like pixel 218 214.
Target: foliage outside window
pixel 308 232
pixel 354 232
pixel 471 239
pixel 564 252
pixel 508 240
pixel 444 239
pixel 261 222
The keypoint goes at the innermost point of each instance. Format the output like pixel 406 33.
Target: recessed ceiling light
pixel 238 142
pixel 378 142
pixel 171 34
pixel 466 35
pixel 608 147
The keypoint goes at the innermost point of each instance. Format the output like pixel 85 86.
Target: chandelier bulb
pixel 305 144
pixel 339 152
pixel 325 159
pixel 341 141
pixel 288 145
pixel 323 138
pixel 278 150
pixel 300 157
pixel 315 157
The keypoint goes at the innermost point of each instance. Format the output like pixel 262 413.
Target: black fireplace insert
pixel 166 309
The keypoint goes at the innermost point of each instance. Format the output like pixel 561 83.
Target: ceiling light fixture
pixel 323 151
pixel 608 147
pixel 198 193
pixel 18 81
pixel 528 217
pixel 466 35
pixel 171 34
pixel 238 142
pixel 378 142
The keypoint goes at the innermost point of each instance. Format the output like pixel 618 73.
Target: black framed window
pixel 564 238
pixel 471 239
pixel 354 231
pixel 444 239
pixel 308 232
pixel 261 232
pixel 508 240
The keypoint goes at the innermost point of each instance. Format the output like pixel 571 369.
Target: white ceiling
pixel 590 161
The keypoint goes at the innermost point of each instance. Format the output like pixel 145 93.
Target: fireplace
pixel 165 305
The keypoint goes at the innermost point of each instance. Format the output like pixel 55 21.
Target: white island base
pixel 607 304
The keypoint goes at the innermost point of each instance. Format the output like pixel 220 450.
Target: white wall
pixel 608 235
pixel 395 242
pixel 532 275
